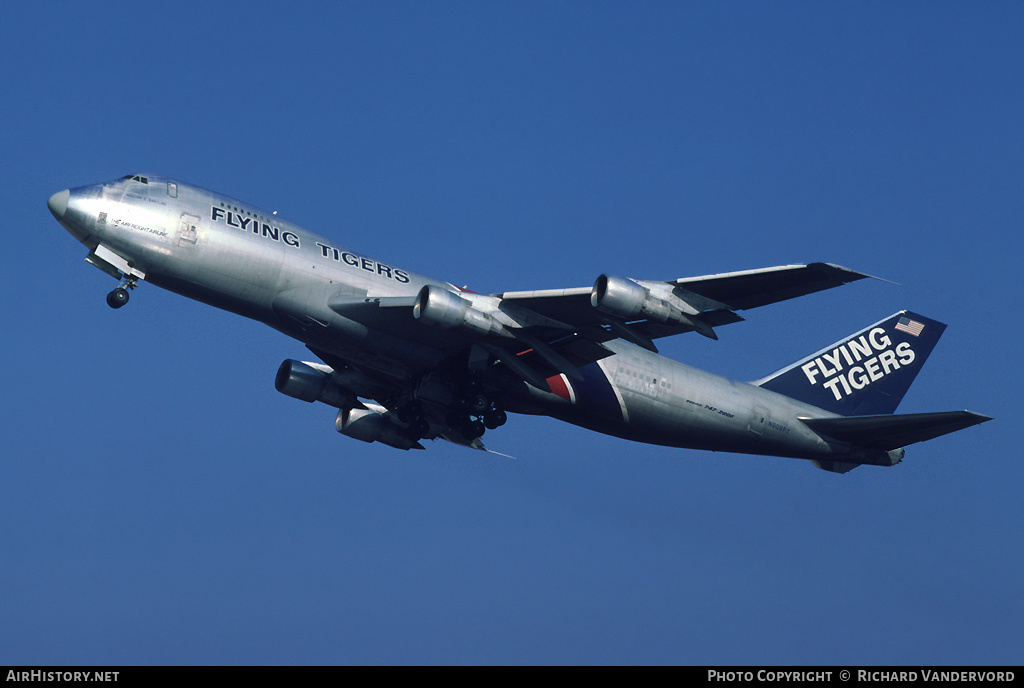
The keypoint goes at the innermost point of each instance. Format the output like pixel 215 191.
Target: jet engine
pixel 446 309
pixel 631 300
pixel 369 425
pixel 620 297
pixel 303 381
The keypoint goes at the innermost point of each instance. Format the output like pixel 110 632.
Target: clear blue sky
pixel 161 503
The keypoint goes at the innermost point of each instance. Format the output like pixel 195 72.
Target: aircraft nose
pixel 58 203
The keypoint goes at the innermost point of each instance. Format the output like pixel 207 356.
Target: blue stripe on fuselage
pixel 595 394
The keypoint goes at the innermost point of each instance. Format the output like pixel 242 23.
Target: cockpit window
pixel 136 178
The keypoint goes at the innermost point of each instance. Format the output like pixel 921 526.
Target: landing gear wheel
pixel 117 298
pixel 476 403
pixel 494 418
pixel 473 429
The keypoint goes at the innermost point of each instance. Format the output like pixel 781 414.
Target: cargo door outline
pixel 759 418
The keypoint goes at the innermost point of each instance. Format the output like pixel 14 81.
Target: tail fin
pixel 865 374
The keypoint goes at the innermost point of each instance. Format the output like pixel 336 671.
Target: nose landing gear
pixel 119 296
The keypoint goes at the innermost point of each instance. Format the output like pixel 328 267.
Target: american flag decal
pixel 911 327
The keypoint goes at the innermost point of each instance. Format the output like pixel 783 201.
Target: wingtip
pixel 858 275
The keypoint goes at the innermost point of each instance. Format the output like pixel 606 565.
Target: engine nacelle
pixel 630 300
pixel 446 309
pixel 368 425
pixel 621 297
pixel 302 381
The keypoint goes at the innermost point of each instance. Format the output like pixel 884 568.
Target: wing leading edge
pixel 708 300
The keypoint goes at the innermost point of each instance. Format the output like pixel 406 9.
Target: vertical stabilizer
pixel 865 374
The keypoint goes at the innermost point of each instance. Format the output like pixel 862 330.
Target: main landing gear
pixel 119 296
pixel 473 424
pixel 470 417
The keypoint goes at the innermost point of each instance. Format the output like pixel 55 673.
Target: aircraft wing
pixel 537 334
pixel 735 290
pixel 704 302
pixel 754 288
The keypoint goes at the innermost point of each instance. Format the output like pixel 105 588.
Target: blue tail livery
pixel 865 374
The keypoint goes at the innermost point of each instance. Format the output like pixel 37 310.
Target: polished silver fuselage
pixel 237 257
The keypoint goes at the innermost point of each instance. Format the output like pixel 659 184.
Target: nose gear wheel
pixel 119 296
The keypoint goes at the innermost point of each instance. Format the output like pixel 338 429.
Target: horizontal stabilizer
pixel 892 432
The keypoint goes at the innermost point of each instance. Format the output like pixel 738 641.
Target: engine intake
pixel 446 309
pixel 621 297
pixel 302 381
pixel 631 300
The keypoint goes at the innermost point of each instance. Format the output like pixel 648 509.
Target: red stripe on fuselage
pixel 560 386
